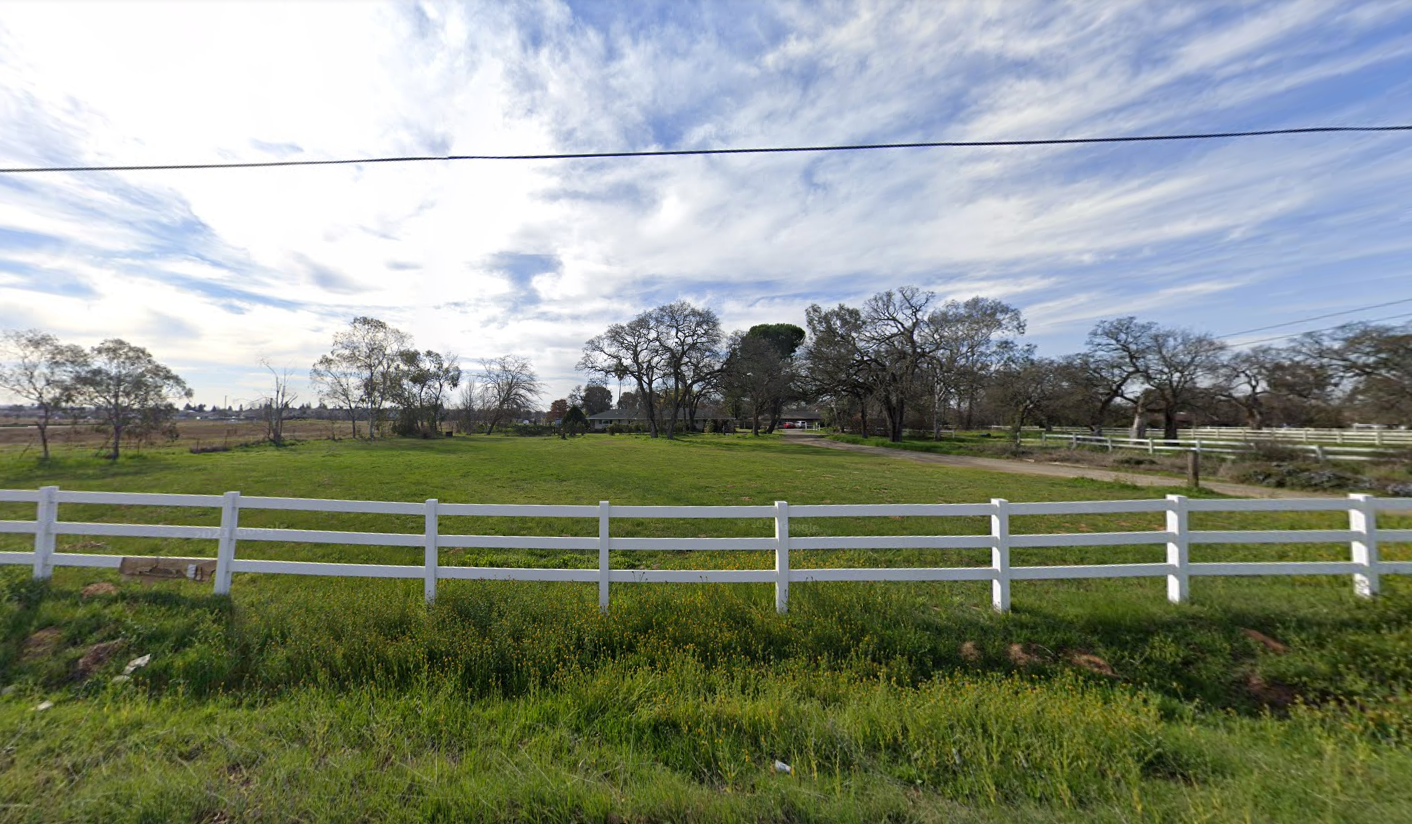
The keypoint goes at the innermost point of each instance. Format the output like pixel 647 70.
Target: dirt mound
pixel 94 657
pixel 41 644
pixel 1092 663
pixel 1026 655
pixel 100 588
pixel 969 652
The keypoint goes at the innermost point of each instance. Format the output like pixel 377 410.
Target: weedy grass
pixel 1281 699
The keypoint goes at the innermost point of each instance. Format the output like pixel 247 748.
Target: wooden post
pixel 1000 554
pixel 1193 469
pixel 46 512
pixel 1178 551
pixel 225 547
pixel 1363 522
pixel 781 557
pixel 603 532
pixel 432 536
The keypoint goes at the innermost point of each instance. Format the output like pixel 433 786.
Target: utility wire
pixel 1325 329
pixel 938 144
pixel 1316 317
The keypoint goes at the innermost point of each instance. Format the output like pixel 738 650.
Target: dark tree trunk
pixel 1169 425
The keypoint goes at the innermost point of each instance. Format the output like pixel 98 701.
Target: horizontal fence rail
pixel 1362 537
pixel 1322 451
pixel 1395 438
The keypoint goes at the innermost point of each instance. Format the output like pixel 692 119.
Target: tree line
pixel 127 392
pixel 905 361
pixel 375 374
pixel 900 362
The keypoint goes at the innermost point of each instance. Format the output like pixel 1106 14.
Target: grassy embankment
pixel 339 700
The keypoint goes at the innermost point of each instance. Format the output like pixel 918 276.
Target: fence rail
pixel 1396 438
pixel 1324 452
pixel 1362 536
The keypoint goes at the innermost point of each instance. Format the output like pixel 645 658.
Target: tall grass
pixel 351 700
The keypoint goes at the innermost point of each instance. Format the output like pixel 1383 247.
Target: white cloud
pixel 217 269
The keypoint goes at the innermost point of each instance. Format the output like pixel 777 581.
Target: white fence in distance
pixel 1321 451
pixel 1362 536
pixel 1393 438
pixel 1373 437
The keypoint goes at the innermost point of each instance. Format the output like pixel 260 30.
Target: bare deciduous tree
pixel 630 350
pixel 40 370
pixel 1170 363
pixel 337 385
pixel 275 406
pixel 689 338
pixel 510 385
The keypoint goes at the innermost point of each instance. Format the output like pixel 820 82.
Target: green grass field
pixel 303 699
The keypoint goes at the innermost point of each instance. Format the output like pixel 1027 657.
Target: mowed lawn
pixel 311 699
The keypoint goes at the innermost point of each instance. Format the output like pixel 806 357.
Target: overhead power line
pixel 1316 317
pixel 935 144
pixel 1325 329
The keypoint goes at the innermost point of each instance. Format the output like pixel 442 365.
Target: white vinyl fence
pixel 1369 437
pixel 1398 439
pixel 1362 537
pixel 1322 451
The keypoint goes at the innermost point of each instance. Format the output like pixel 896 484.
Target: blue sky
pixel 215 270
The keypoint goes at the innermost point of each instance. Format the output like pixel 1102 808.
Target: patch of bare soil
pixel 100 588
pixel 1026 655
pixel 41 644
pixel 969 652
pixel 95 657
pixel 1092 663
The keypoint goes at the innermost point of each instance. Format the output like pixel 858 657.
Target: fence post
pixel 225 547
pixel 46 512
pixel 1151 447
pixel 781 557
pixel 1319 452
pixel 1000 554
pixel 603 532
pixel 1178 550
pixel 1363 522
pixel 432 539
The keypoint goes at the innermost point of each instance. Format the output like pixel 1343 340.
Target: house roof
pixel 618 415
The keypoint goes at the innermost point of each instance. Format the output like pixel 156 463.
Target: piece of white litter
pixel 121 679
pixel 44 706
pixel 137 664
pixel 780 766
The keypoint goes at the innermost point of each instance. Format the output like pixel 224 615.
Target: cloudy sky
pixel 215 270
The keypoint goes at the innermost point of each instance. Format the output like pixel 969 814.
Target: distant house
pixel 625 417
pixel 800 418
